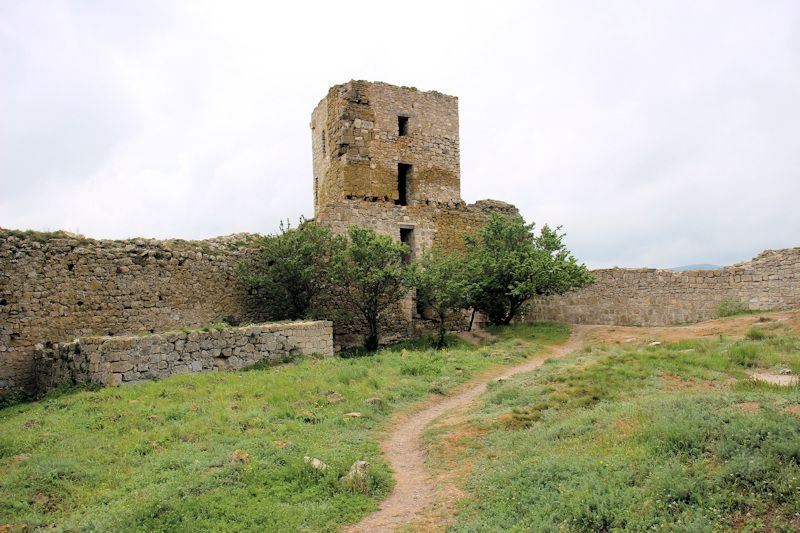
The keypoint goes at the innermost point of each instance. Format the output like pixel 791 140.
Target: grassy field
pixel 225 451
pixel 670 437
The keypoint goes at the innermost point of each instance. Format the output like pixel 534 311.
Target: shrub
pixel 508 264
pixel 291 270
pixel 369 277
pixel 442 284
pixel 743 354
pixel 755 334
pixel 730 307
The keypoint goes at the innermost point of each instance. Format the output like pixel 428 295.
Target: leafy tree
pixel 509 264
pixel 371 276
pixel 442 285
pixel 291 269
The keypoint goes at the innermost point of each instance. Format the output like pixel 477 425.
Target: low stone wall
pixel 651 297
pixel 116 360
pixel 59 287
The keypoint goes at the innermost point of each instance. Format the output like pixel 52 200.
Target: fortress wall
pixel 56 287
pixel 116 360
pixel 651 297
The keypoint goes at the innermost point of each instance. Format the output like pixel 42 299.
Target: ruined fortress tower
pixel 387 158
pixel 74 309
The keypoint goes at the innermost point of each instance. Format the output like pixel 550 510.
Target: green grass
pixel 675 437
pixel 157 456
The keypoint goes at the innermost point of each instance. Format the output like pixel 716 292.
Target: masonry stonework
pixel 56 287
pixel 651 297
pixel 117 360
pixel 387 158
pixel 358 147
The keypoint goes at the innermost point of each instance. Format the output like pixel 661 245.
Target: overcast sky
pixel 658 133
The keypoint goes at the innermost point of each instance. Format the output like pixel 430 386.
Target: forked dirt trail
pixel 405 453
pixel 416 492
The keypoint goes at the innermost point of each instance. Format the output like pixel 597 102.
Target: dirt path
pixel 405 453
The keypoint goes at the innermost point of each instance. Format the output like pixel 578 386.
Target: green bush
pixel 743 354
pixel 755 334
pixel 508 264
pixel 291 270
pixel 730 307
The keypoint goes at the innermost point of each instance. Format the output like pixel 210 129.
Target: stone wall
pixel 432 225
pixel 116 360
pixel 651 297
pixel 59 286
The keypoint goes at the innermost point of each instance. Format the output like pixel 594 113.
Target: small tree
pixel 442 285
pixel 370 276
pixel 291 269
pixel 509 264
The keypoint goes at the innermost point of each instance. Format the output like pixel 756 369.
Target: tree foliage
pixel 292 269
pixel 370 277
pixel 508 264
pixel 442 286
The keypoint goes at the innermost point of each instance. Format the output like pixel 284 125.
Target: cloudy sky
pixel 658 133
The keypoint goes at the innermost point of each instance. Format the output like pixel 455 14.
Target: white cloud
pixel 658 133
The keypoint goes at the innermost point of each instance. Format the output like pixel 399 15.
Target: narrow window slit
pixel 407 238
pixel 403 179
pixel 402 126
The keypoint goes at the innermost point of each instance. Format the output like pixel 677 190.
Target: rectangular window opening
pixel 407 238
pixel 403 179
pixel 402 126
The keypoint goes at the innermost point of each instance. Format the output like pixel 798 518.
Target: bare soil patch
pixel 774 378
pixel 748 407
pixel 674 383
pixel 789 321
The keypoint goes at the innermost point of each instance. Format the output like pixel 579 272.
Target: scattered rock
pixel 239 457
pixel 356 477
pixel 655 343
pixel 375 401
pixel 354 414
pixel 315 463
pixel 334 397
pixel 280 443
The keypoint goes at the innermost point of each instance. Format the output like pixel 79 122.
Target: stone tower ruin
pixel 387 158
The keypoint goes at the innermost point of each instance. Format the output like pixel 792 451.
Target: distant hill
pixel 702 266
